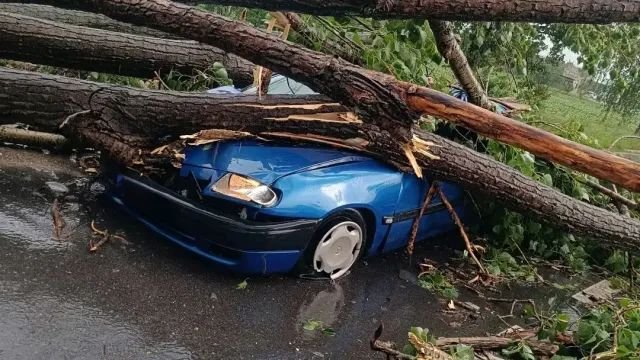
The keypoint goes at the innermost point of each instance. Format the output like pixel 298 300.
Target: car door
pixel 435 220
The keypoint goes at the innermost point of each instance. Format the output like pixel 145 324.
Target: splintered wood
pixel 214 135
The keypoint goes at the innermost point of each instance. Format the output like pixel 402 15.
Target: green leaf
pixel 221 73
pixel 329 332
pixel 242 285
pixel 312 325
pixel 462 352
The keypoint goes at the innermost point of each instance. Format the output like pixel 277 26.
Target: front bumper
pixel 236 244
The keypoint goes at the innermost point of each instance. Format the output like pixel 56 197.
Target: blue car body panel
pixel 265 162
pixel 242 261
pixel 311 183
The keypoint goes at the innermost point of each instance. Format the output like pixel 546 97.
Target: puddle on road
pixel 25 214
pixel 38 326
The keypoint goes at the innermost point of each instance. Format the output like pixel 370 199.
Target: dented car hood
pixel 265 161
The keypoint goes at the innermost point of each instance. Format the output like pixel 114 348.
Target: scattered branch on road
pixel 58 221
pixel 104 235
pixel 539 347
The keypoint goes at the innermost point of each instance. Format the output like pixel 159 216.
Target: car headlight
pixel 245 188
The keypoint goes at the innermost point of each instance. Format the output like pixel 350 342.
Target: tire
pixel 319 262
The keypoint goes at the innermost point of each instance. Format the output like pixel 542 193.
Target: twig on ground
pixel 470 247
pixel 58 220
pixel 416 221
pixel 105 236
pixel 385 347
pixel 468 306
pixel 515 301
pixel 476 291
pixel 93 247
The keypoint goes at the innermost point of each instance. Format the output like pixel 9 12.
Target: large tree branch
pixel 126 120
pixel 450 50
pixel 380 99
pixel 44 101
pixel 541 11
pixel 50 43
pixel 81 18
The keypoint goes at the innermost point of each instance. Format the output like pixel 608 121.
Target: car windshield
pixel 281 85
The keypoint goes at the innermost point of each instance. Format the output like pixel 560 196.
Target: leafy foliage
pixel 519 350
pixel 315 325
pixel 215 75
pixel 608 327
pixel 437 282
pixel 507 58
pixel 242 285
pixel 609 53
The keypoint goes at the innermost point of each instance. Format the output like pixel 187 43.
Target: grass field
pixel 562 107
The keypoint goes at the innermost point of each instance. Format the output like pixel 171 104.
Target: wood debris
pixel 213 135
pixel 104 236
pixel 58 221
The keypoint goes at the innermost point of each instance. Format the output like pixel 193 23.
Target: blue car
pixel 276 207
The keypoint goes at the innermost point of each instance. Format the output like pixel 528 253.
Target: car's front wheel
pixel 339 242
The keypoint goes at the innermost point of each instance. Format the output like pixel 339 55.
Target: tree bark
pixel 539 11
pixel 81 18
pixel 450 50
pixel 125 121
pixel 539 347
pixel 16 135
pixel 380 99
pixel 45 101
pixel 49 43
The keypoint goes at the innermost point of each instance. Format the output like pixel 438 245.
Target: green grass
pixel 562 108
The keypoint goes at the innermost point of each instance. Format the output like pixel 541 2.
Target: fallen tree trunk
pixel 45 101
pixel 380 99
pixel 81 18
pixel 540 11
pixel 45 42
pixel 138 120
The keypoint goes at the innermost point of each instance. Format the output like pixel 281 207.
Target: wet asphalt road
pixel 151 300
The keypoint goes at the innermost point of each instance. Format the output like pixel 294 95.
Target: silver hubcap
pixel 338 249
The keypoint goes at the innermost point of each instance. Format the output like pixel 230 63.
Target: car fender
pixel 318 193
